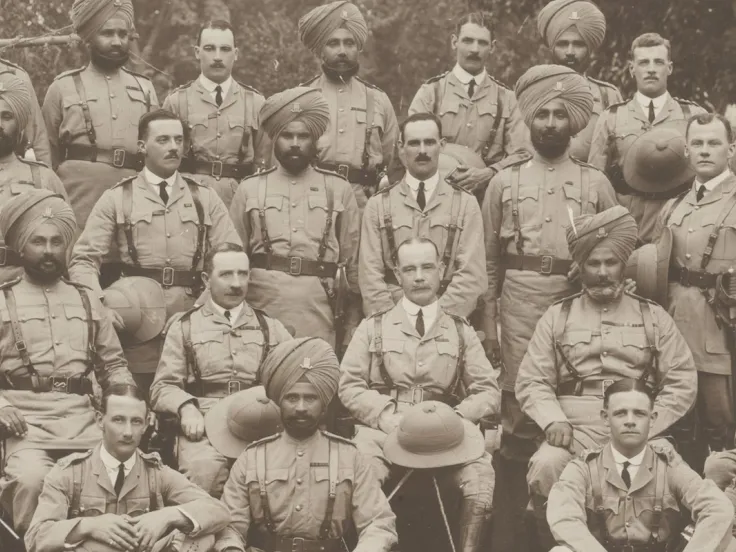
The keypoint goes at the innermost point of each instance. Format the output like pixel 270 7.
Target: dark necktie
pixel 701 193
pixel 651 111
pixel 471 88
pixel 421 198
pixel 420 322
pixel 625 475
pixel 162 193
pixel 218 95
pixel 227 315
pixel 120 479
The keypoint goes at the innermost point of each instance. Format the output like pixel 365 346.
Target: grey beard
pixel 599 295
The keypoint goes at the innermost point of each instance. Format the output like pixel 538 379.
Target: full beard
pixel 340 75
pixel 45 275
pixel 294 164
pixel 8 145
pixel 604 293
pixel 108 63
pixel 550 146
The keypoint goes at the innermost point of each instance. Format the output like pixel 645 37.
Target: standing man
pixel 360 139
pixel 620 124
pixel 155 224
pixel 210 352
pixel 573 30
pixel 92 112
pixel 476 110
pixel 53 337
pixel 417 351
pixel 586 342
pixel 225 144
pixel 299 224
pixel 303 488
pixel 424 203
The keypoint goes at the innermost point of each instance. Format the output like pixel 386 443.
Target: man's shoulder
pixel 603 83
pixel 151 459
pixel 248 87
pixel 499 84
pixel 70 73
pixel 368 84
pixel 41 165
pixel 585 164
pixel 260 172
pixel 333 175
pixel 590 454
pixel 437 78
pixel 74 458
pixel 690 105
pixel 263 442
pixel 558 305
pixel 310 82
pixel 138 76
pixel 336 438
pixel 615 107
pixel 11 67
pixel 128 180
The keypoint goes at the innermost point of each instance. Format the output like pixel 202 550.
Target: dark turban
pixel 18 97
pixel 310 358
pixel 317 26
pixel 560 15
pixel 88 16
pixel 544 83
pixel 296 104
pixel 614 228
pixel 23 214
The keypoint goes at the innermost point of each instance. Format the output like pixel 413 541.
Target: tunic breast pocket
pixel 74 115
pixel 486 121
pixel 92 506
pixel 236 134
pixel 644 507
pixel 139 104
pixel 447 354
pixel 144 235
pixel 35 327
pixel 212 355
pixel 635 348
pixel 317 217
pixel 393 350
pixel 439 227
pixel 577 346
pixel 725 247
pixel 403 227
pixel 277 218
pixel 319 493
pixel 574 199
pixel 528 208
pixel 280 494
pixel 76 327
pixel 450 115
pixel 137 506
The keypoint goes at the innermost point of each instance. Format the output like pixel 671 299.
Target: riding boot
pixel 474 520
pixel 545 540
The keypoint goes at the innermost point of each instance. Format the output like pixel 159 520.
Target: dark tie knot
pixel 421 196
pixel 227 314
pixel 162 192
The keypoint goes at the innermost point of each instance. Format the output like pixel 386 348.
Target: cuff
pixel 195 527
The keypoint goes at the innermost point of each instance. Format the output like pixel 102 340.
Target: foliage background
pixel 409 42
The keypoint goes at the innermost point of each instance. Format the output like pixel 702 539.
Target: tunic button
pixel 168 235
pixel 341 130
pixel 604 353
pixel 605 310
pixel 293 204
pixel 57 343
pixel 688 256
pixel 627 524
pixel 107 77
pixel 550 191
pixel 550 168
pixel 168 261
pixel 300 453
pixel 53 316
pixel 168 210
pixel 469 124
pixel 293 181
pixel 299 481
pixel 341 109
pixel 218 113
pixel 48 291
pixel 293 229
pixel 548 219
pixel 299 509
pixel 340 90
pixel 420 363
pixel 690 230
pixel 114 116
pixel 219 135
pixel 112 95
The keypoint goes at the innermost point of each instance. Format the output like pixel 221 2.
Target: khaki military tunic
pixel 449 206
pixel 604 95
pixel 616 130
pixel 110 106
pixel 297 476
pixel 227 134
pixel 35 131
pixel 295 208
pixel 547 190
pixel 628 512
pixel 53 522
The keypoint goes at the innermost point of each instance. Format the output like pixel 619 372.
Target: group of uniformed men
pixel 211 257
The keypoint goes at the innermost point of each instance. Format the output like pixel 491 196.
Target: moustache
pixel 473 57
pixel 423 157
pixel 172 155
pixel 218 65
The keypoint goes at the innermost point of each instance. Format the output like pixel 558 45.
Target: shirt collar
pixel 620 458
pixel 429 183
pixel 659 101
pixel 112 463
pixel 412 309
pixel 154 180
pixel 464 77
pixel 210 85
pixel 234 312
pixel 711 184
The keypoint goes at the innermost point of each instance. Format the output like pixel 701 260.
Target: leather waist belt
pixel 298 544
pixel 120 158
pixel 640 547
pixel 296 266
pixel 166 276
pixel 586 387
pixel 414 395
pixel 695 278
pixel 210 389
pixel 545 264
pixel 9 257
pixel 217 168
pixel 76 385
pixel 356 176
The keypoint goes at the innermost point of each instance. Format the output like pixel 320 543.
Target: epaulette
pixel 498 82
pixel 141 75
pixel 11 64
pixel 457 317
pixel 10 283
pixel 31 162
pixel 249 87
pixel 436 78
pixel 73 458
pixel 176 317
pixel 386 189
pixel 640 298
pixel 194 182
pixel 328 171
pixel 183 87
pixel 589 454
pixel 259 172
pixel 70 72
pixel 603 83
pixel 584 164
pixel 380 312
pixel 152 458
pixel 338 438
pixel 666 453
pixel 310 81
pixel 617 104
pixel 264 440
pixel 689 102
pixel 124 180
pixel 570 297
pixel 79 285
pixel 368 84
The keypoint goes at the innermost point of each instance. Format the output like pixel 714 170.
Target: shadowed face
pixel 570 49
pixel 110 45
pixel 550 129
pixel 216 54
pixel 302 410
pixel 602 275
pixel 163 146
pixel 123 424
pixel 295 147
pixel 228 280
pixel 8 129
pixel 708 149
pixel 420 149
pixel 472 47
pixel 44 255
pixel 341 51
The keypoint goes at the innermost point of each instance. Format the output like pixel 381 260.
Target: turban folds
pixel 25 213
pixel 309 358
pixel 614 228
pixel 560 15
pixel 544 83
pixel 317 26
pixel 296 104
pixel 89 15
pixel 17 95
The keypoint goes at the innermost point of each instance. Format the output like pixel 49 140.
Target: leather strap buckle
pixel 3 255
pixel 167 276
pixel 59 384
pixel 684 276
pixel 216 169
pixel 233 386
pixel 627 548
pixel 297 544
pixel 118 158
pixel 295 266
pixel 546 265
pixel 20 346
pixel 605 384
pixel 343 170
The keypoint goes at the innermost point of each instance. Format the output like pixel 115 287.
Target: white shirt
pixel 659 102
pixel 234 312
pixel 112 464
pixel 713 182
pixel 464 77
pixel 429 312
pixel 634 462
pixel 429 185
pixel 210 85
pixel 154 181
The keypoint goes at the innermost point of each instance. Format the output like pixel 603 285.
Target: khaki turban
pixel 18 97
pixel 317 26
pixel 89 15
pixel 25 213
pixel 296 104
pixel 544 83
pixel 309 358
pixel 614 228
pixel 560 15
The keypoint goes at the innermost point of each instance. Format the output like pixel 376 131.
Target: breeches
pixel 203 465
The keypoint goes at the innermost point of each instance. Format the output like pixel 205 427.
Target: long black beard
pixel 342 75
pixel 106 63
pixel 8 145
pixel 550 149
pixel 44 277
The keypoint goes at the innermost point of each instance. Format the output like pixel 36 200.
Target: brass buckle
pixel 3 255
pixel 167 276
pixel 295 266
pixel 343 170
pixel 684 276
pixel 417 391
pixel 59 384
pixel 216 172
pixel 297 544
pixel 118 158
pixel 546 266
pixel 605 384
pixel 628 548
pixel 233 386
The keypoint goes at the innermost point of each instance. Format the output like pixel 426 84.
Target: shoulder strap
pixel 91 134
pixel 686 111
pixel 153 504
pixel 242 151
pixel 460 366
pixel 447 255
pixel 36 176
pixel 77 480
pixel 515 182
pixel 189 353
pixel 265 238
pixel 330 195
pixel 595 483
pixel 389 225
pixel 324 530
pixel 263 323
pixel 648 320
pixel 496 125
pixel 127 186
pixel 201 250
pixel 20 344
pixel 438 88
pixel 604 96
pixel 260 454
pixel 558 333
pixel 369 115
pixel 672 207
pixel 660 478
pixel 378 341
pixel 181 96
pixel 728 206
pixel 584 188
pixel 91 331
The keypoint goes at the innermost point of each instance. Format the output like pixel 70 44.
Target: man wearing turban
pixel 586 342
pixel 529 266
pixel 573 30
pixel 288 501
pixel 300 224
pixel 362 128
pixel 45 386
pixel 18 174
pixel 621 124
pixel 92 112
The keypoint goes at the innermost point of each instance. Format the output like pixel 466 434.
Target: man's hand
pixel 630 285
pixel 471 179
pixel 574 273
pixel 152 526
pixel 192 422
pixel 493 352
pixel 559 434
pixel 115 318
pixel 388 421
pixel 13 421
pixel 112 530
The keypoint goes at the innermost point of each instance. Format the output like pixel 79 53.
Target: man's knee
pixel 720 467
pixel 370 444
pixel 203 465
pixel 545 468
pixel 477 479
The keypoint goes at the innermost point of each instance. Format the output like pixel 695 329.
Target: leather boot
pixel 545 540
pixel 474 520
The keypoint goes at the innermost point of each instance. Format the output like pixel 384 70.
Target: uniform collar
pixel 634 461
pixel 412 309
pixel 210 85
pixel 234 312
pixel 464 77
pixel 659 101
pixel 111 463
pixel 154 180
pixel 711 184
pixel 429 184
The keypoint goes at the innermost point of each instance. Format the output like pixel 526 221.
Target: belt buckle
pixel 3 255
pixel 684 276
pixel 417 395
pixel 167 276
pixel 605 384
pixel 343 170
pixel 546 266
pixel 295 266
pixel 297 544
pixel 118 158
pixel 627 548
pixel 59 384
pixel 216 172
pixel 233 386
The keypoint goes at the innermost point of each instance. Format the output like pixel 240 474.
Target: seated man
pixel 304 488
pixel 416 352
pixel 115 497
pixel 609 498
pixel 211 351
pixel 584 343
